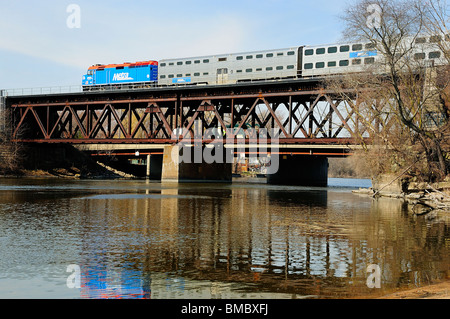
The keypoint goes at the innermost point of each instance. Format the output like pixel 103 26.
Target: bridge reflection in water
pixel 259 241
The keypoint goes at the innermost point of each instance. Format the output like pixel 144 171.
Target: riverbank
pixel 434 291
pixel 101 171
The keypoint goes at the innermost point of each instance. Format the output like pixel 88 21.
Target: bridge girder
pixel 302 111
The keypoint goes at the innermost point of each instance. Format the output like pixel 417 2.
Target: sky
pixel 49 43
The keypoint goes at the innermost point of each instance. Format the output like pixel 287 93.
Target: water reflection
pixel 147 240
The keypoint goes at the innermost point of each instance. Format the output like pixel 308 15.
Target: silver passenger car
pixel 336 59
pixel 356 57
pixel 232 68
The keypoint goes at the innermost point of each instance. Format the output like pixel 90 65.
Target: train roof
pixel 227 54
pixel 126 64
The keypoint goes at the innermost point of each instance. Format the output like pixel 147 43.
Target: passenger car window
pixel 434 55
pixel 332 49
pixel 320 51
pixel 420 56
pixel 320 65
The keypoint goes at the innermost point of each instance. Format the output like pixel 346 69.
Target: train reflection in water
pixel 203 241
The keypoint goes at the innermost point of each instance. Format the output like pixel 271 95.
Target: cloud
pixel 113 35
pixel 117 31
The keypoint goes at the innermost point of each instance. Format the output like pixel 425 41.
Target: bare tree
pixel 11 152
pixel 400 99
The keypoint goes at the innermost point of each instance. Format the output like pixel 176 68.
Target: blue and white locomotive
pixel 118 74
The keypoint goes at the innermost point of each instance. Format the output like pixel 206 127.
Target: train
pixel 280 64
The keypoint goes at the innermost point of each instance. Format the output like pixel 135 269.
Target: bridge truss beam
pixel 302 111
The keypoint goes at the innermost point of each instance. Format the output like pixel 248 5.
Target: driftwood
pixel 377 192
pixel 429 202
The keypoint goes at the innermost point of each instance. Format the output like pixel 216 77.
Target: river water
pixel 140 239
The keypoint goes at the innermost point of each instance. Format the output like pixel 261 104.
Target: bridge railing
pixel 2 112
pixel 115 87
pixel 42 90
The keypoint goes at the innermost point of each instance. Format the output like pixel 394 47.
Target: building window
pixel 309 66
pixel 357 47
pixel 343 63
pixel 332 64
pixel 320 51
pixel 309 52
pixel 291 53
pixel 344 48
pixel 332 49
pixel 320 65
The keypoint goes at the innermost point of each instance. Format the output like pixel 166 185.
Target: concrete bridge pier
pixel 193 168
pixel 301 171
pixel 154 167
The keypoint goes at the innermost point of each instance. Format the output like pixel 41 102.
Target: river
pixel 141 239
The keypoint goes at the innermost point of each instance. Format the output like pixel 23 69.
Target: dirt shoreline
pixel 434 291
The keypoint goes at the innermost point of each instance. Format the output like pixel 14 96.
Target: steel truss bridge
pixel 306 115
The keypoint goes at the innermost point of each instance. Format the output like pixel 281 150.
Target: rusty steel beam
pixel 184 98
pixel 105 119
pixel 291 141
